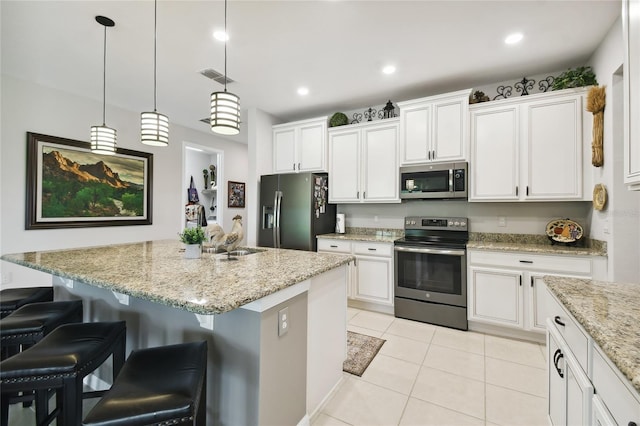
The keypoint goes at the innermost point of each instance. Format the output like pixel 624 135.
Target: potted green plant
pixel 193 239
pixel 579 77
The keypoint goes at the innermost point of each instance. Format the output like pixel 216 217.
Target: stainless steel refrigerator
pixel 294 209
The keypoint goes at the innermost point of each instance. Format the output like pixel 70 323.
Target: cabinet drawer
pixel 563 264
pixel 577 339
pixel 621 401
pixel 339 246
pixel 373 249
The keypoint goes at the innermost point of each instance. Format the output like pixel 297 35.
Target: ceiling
pixel 336 48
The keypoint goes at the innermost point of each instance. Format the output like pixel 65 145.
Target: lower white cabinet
pixel 371 275
pixel 570 390
pixel 505 288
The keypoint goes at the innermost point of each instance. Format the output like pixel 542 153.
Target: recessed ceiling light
pixel 302 91
pixel 513 38
pixel 389 69
pixel 221 36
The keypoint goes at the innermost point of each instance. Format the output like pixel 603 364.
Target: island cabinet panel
pixel 529 148
pixel 434 129
pixel 300 146
pixel 631 34
pixel 363 163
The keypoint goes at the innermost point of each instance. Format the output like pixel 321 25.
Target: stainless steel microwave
pixel 444 180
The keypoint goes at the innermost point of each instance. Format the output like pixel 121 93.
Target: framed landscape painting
pixel 68 186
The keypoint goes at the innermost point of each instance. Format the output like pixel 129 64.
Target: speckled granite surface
pixel 158 271
pixel 378 235
pixel 533 243
pixel 609 312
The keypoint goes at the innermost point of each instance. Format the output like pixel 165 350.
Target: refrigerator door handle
pixel 277 211
pixel 275 219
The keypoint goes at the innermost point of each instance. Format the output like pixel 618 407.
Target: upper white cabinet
pixel 300 146
pixel 434 128
pixel 363 163
pixel 631 33
pixel 528 148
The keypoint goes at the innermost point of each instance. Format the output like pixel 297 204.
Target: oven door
pixel 431 274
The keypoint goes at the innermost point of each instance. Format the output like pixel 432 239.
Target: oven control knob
pixel 450 223
pixel 413 222
pixel 463 223
pixel 457 223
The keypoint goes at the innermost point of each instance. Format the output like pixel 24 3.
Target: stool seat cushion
pixel 40 318
pixel 67 350
pixel 13 298
pixel 161 384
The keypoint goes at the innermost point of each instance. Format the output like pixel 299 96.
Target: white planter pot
pixel 192 251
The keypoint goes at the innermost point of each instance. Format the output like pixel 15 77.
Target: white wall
pixel 619 222
pixel 29 107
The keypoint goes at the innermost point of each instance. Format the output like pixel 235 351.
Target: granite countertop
pixel 609 312
pixel 534 244
pixel 375 235
pixel 158 271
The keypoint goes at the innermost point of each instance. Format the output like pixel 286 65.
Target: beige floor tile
pixel 512 408
pixel 422 413
pixel 372 320
pixel 365 331
pixel 392 373
pixel 455 361
pixel 450 391
pixel 527 353
pixel 412 329
pixel 404 348
pixel 462 340
pixel 352 312
pixel 324 420
pixel 518 377
pixel 359 402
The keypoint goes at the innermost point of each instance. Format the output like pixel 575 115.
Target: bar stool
pixel 28 324
pixel 60 361
pixel 165 385
pixel 13 298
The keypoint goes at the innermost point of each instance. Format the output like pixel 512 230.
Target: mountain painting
pixel 90 186
pixel 74 187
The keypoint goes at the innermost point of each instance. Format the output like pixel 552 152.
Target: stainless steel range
pixel 431 271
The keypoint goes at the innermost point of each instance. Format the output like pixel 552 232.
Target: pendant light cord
pixel 155 52
pixel 226 37
pixel 104 79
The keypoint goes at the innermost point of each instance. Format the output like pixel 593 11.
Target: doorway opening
pixel 205 165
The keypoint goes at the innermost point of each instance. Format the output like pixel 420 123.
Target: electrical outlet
pixel 283 321
pixel 502 221
pixel 7 278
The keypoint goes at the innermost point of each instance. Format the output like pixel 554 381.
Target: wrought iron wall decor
pixel 371 113
pixel 524 86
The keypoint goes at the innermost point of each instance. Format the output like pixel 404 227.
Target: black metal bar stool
pixel 13 298
pixel 60 361
pixel 165 385
pixel 28 324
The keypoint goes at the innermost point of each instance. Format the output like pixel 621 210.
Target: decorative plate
pixel 564 231
pixel 599 196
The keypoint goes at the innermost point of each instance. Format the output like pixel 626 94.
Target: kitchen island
pixel 260 371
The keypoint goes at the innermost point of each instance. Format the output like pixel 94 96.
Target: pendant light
pixel 103 138
pixel 154 127
pixel 225 106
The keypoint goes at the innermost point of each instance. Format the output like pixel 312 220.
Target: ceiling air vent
pixel 206 120
pixel 215 76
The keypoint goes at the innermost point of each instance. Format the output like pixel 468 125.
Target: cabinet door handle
pixel 364 194
pixel 557 356
pixel 632 424
pixel 372 249
pixel 332 246
pixel 298 166
pixel 531 281
pixel 358 195
pixel 516 191
pixel 520 280
pixel 294 166
pixel 527 189
pixel 429 155
pixel 557 320
pixel 526 261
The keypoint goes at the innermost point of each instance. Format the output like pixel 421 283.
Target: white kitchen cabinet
pixel 528 148
pixel 570 390
pixel 434 128
pixel 631 35
pixel 371 275
pixel 363 163
pixel 300 146
pixel 506 288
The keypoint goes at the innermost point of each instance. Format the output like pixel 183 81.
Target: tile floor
pixel 429 375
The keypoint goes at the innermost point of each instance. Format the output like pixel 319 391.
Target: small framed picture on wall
pixel 235 193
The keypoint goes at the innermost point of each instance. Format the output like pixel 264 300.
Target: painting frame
pixel 138 167
pixel 236 194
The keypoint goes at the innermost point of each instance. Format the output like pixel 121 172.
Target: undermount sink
pixel 243 251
